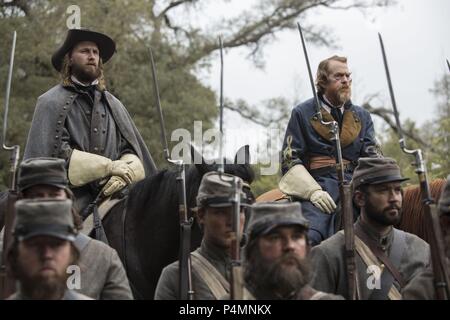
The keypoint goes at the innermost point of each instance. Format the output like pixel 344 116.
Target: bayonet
pixel 7 284
pixel 186 291
pixel 432 220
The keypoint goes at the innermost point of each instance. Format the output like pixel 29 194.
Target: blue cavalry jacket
pixel 306 137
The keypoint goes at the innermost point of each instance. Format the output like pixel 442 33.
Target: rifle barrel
pixel 8 92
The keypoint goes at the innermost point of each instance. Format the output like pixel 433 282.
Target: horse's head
pixel 240 166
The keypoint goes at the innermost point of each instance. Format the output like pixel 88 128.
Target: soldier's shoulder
pixel 307 105
pixel 54 94
pixel 170 269
pixel 414 241
pixel 336 240
pixel 331 246
pixel 360 110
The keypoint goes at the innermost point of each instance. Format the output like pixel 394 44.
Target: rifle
pixel 185 273
pixel 432 219
pixel 344 187
pixel 7 285
pixel 236 279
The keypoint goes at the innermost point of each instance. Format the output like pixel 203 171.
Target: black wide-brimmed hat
pixel 105 44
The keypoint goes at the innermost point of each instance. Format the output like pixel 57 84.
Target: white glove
pixel 117 183
pixel 298 182
pixel 135 167
pixel 85 167
pixel 113 185
pixel 322 200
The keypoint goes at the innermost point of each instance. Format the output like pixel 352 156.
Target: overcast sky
pixel 416 38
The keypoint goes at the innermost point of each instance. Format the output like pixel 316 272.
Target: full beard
pixel 383 217
pixel 43 287
pixel 84 73
pixel 279 280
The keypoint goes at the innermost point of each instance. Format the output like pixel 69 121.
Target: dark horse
pixel 150 224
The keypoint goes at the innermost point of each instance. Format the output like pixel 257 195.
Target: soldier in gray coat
pixel 276 263
pixel 81 122
pixel 42 250
pixel 386 258
pixel 102 273
pixel 211 262
pixel 422 286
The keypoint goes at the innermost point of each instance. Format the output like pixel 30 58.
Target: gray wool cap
pixel 266 216
pixel 376 171
pixel 49 217
pixel 43 170
pixel 217 189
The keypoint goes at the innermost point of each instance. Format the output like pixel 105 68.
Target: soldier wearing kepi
pixel 422 287
pixel 102 273
pixel 380 248
pixel 43 249
pixel 308 162
pixel 276 264
pixel 211 262
pixel 81 122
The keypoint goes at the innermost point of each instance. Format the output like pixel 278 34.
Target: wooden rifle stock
pixel 350 258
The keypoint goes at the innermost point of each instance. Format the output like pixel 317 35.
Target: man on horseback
pixel 422 287
pixel 211 261
pixel 308 158
pixel 81 122
pixel 387 258
pixel 276 264
pixel 102 274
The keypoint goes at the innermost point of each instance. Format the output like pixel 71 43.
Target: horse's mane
pixel 243 171
pixel 162 184
pixel 413 211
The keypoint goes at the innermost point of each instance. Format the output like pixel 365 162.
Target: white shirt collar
pixel 75 80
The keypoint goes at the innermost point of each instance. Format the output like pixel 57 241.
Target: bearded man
pixel 276 264
pixel 81 122
pixel 43 250
pixel 386 258
pixel 308 157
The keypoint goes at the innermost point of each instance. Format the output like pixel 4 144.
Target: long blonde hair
pixel 66 72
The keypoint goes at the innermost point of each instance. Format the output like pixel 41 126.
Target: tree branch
pixel 172 5
pixel 386 114
pixel 23 5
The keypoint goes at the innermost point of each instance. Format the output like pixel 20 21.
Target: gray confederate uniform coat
pixel 72 117
pixel 328 262
pixel 167 288
pixel 421 287
pixel 103 276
